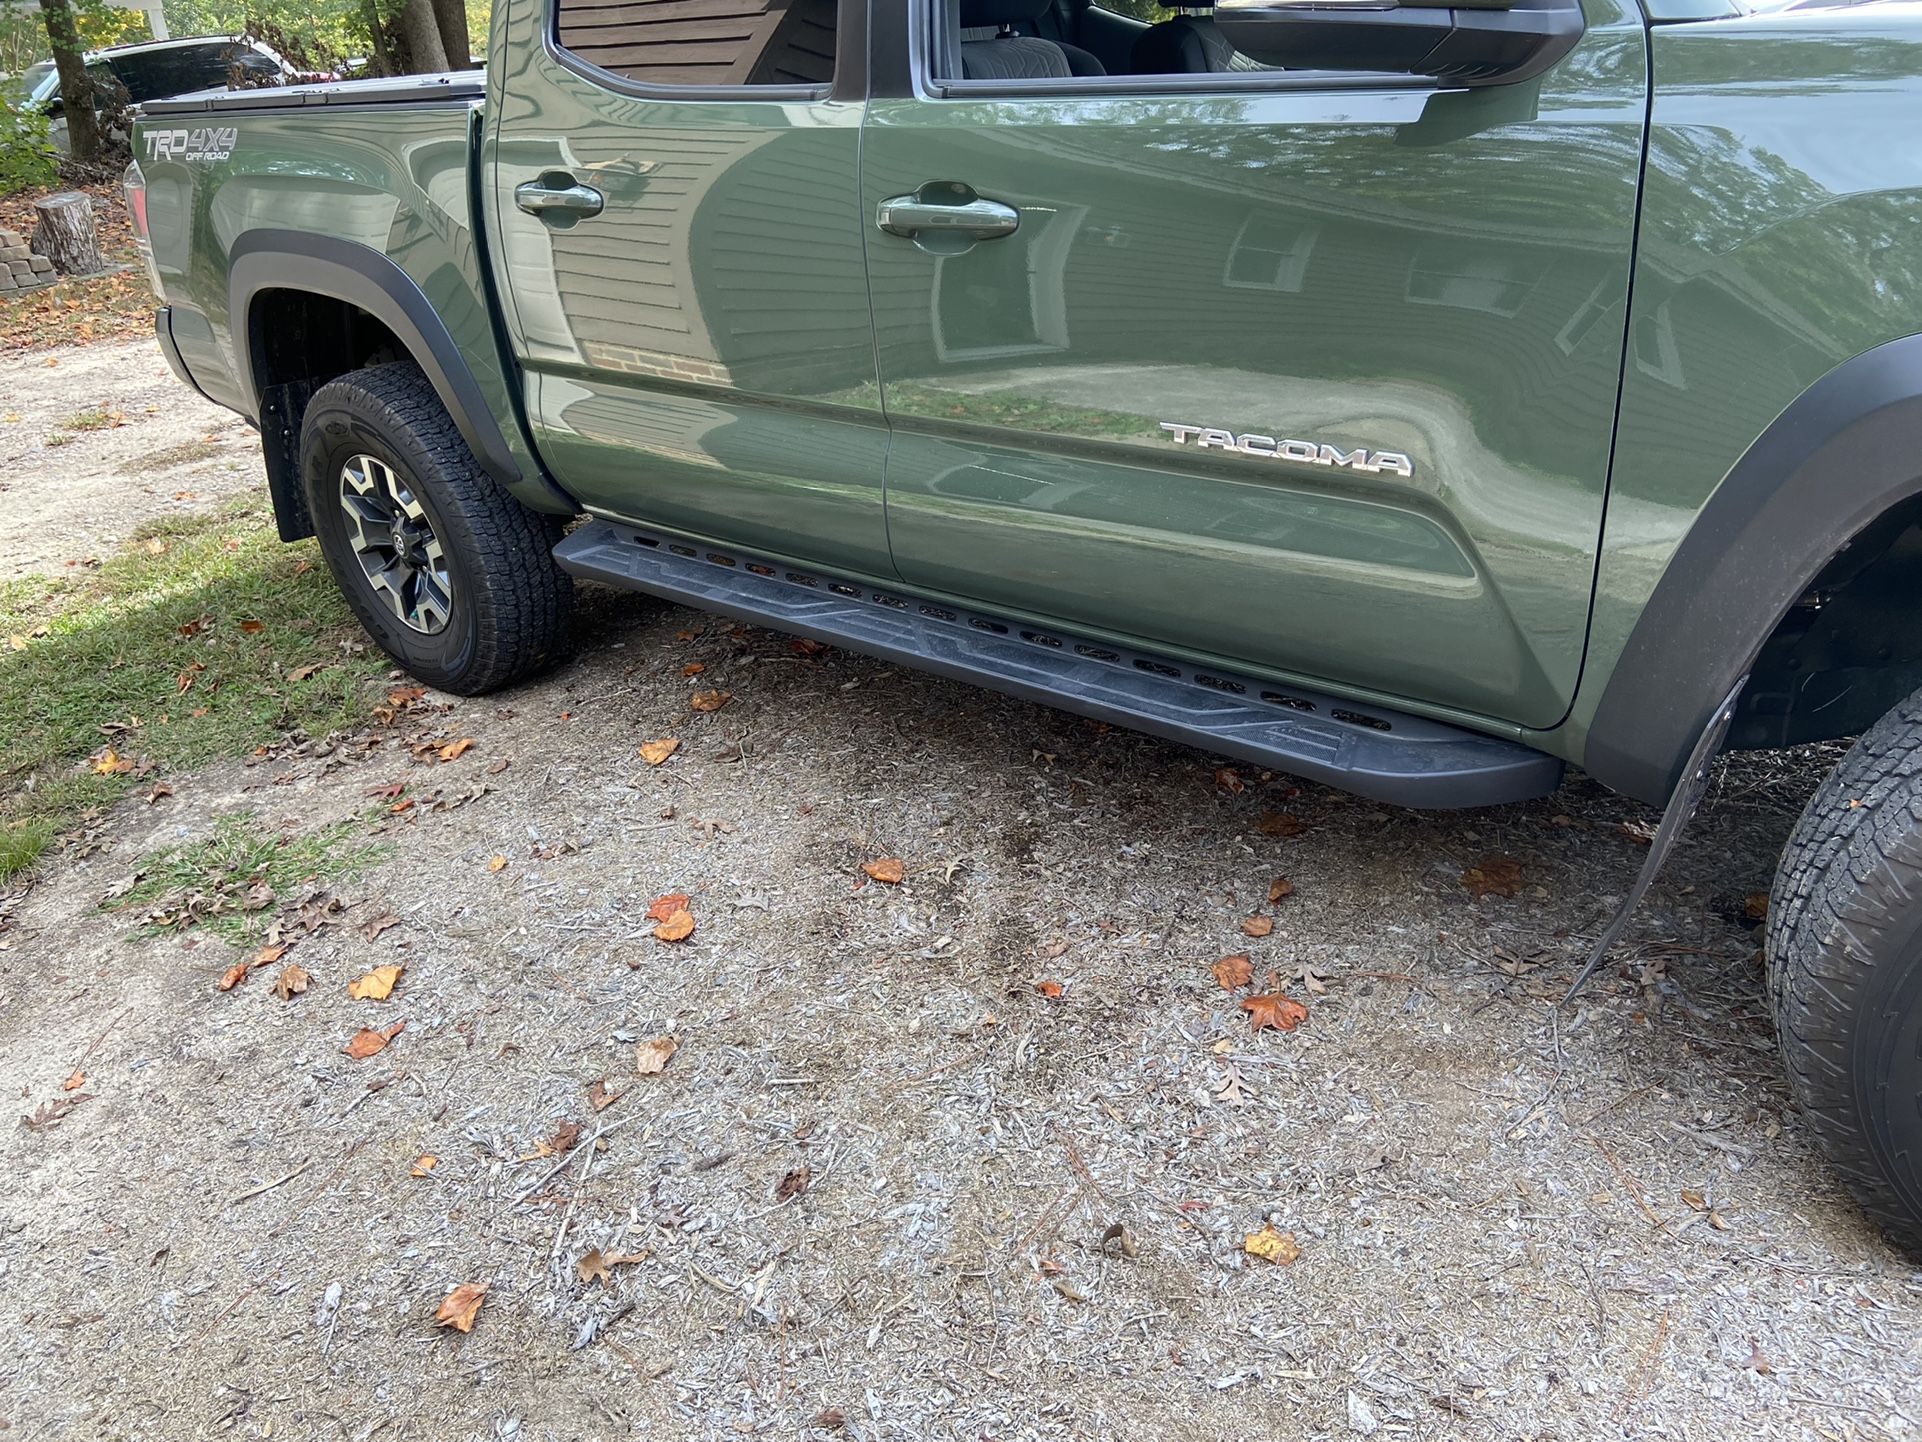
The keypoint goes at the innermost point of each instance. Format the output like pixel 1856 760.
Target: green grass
pixel 184 645
pixel 212 883
pixel 94 418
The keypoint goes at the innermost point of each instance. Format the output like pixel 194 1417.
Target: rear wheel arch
pixel 307 308
pixel 1815 513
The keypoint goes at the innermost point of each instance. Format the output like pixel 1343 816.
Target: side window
pixel 1030 40
pixel 702 42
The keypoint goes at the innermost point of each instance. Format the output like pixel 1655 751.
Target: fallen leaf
pixel 1757 1363
pixel 1755 906
pixel 1272 1246
pixel 566 1137
pixel 655 752
pixel 1494 876
pixel 232 976
pixel 377 985
pixel 74 1082
pixel 662 907
pixel 1280 823
pixel 1642 833
pixel 693 668
pixel 303 673
pixel 1233 971
pixel 832 1420
pixel 454 750
pixel 1050 989
pixel 109 762
pixel 1228 779
pixel 710 700
pixel 888 870
pixel 600 1098
pixel 366 1042
pixel 1283 1013
pixel 802 646
pixel 1278 888
pixel 463 1304
pixel 160 789
pixel 423 1165
pixel 497 862
pixel 386 921
pixel 593 1268
pixel 1257 925
pixel 291 982
pixel 253 628
pixel 405 695
pixel 677 927
pixel 1234 1088
pixel 267 955
pixel 650 1057
pixel 793 1184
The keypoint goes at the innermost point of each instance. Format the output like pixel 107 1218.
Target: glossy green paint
pixel 1781 236
pixel 396 179
pixel 698 356
pixel 1438 274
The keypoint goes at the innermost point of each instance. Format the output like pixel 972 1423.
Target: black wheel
pixel 448 572
pixel 1845 968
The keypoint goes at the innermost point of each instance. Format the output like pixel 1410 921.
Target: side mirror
pixel 1466 42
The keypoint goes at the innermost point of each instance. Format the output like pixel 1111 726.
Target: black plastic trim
pixel 1370 750
pixel 455 85
pixel 263 260
pixel 1840 456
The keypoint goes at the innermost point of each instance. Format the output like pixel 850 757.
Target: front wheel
pixel 448 572
pixel 1845 968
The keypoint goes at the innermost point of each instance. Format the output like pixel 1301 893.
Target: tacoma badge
pixel 1305 452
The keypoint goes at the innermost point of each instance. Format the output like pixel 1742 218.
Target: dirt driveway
pixel 884 1183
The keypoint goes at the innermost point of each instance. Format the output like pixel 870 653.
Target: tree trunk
pixel 65 235
pixel 450 17
pixel 76 86
pixel 420 38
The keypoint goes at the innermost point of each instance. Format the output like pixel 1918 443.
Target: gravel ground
pixel 885 1184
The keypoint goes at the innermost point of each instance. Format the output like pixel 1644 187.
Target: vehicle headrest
pixel 978 14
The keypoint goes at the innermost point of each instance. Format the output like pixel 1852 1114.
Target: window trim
pixel 653 90
pixel 923 42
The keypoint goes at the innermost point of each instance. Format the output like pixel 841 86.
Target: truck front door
pixel 1315 373
pixel 673 192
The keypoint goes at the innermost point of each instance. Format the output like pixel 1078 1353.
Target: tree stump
pixel 64 233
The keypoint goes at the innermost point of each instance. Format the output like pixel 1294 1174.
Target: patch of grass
pixel 94 418
pixel 234 881
pixel 168 457
pixel 186 646
pixel 21 843
pixel 59 438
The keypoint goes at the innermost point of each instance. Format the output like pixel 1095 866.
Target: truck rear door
pixel 674 209
pixel 1316 373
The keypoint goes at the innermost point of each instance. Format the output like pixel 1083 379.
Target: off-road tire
pixel 1845 969
pixel 510 601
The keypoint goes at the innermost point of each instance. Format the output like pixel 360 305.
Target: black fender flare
pixel 1845 451
pixel 344 270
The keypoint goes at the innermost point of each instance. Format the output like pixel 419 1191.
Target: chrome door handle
pixel 557 196
pixel 978 219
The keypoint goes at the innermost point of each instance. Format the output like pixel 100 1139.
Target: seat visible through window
pixel 1189 44
pixel 1011 55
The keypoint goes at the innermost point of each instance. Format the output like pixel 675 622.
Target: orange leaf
pixel 463 1304
pixel 710 700
pixel 268 955
pixel 377 985
pixel 662 907
pixel 1233 971
pixel 1272 1246
pixel 366 1042
pixel 1494 876
pixel 1281 886
pixel 1049 989
pixel 1258 925
pixel 600 1098
pixel 887 870
pixel 1280 823
pixel 651 1056
pixel 423 1165
pixel 655 752
pixel 497 863
pixel 291 982
pixel 1283 1013
pixel 253 627
pixel 232 976
pixel 454 750
pixel 74 1082
pixel 678 927
pixel 693 668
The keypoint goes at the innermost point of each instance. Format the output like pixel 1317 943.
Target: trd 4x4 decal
pixel 207 142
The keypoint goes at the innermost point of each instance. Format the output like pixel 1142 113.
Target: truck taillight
pixel 135 185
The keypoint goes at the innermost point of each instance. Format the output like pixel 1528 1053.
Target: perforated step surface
pixel 1365 749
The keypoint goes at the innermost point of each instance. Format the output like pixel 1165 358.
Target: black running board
pixel 1366 749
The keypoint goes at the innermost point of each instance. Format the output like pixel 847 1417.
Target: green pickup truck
pixel 1412 397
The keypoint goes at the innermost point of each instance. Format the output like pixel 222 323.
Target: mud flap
pixel 1680 810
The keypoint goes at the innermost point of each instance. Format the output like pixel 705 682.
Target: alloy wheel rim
pixel 395 544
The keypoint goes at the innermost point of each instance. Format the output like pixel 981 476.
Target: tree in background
pixel 76 86
pixel 390 37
